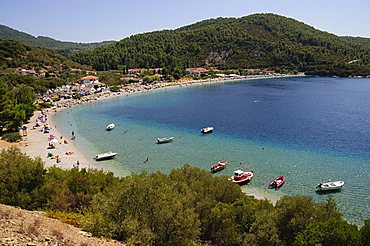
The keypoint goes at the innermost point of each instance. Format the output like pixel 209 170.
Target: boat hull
pixel 242 177
pixel 330 186
pixel 219 166
pixel 217 169
pixel 277 183
pixel 242 181
pixel 164 140
pixel 110 127
pixel 105 156
pixel 206 130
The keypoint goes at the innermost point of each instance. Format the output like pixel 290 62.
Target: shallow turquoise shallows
pixel 310 130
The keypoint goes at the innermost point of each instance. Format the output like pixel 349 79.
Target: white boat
pixel 206 130
pixel 105 156
pixel 330 186
pixel 110 126
pixel 242 177
pixel 164 140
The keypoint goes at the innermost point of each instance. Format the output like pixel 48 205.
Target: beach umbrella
pixel 54 140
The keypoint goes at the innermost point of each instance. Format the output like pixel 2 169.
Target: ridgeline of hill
pixel 14 54
pixel 254 41
pixel 359 40
pixel 65 48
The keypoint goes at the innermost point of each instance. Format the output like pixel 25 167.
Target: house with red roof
pixel 198 71
pixel 89 79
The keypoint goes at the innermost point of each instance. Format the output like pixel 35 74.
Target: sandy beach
pixel 36 143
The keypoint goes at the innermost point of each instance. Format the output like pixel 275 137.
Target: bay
pixel 308 129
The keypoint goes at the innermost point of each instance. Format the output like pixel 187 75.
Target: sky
pixel 101 20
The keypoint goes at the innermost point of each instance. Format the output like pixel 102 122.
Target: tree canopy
pixel 63 47
pixel 255 41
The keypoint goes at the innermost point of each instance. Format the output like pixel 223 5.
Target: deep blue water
pixel 320 113
pixel 308 129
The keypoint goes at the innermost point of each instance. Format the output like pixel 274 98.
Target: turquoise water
pixel 309 130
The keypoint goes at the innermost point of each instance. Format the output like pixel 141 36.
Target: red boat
pixel 241 177
pixel 218 166
pixel 277 183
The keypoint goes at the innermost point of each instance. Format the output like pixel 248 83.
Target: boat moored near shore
pixel 110 126
pixel 277 183
pixel 164 140
pixel 206 130
pixel 330 186
pixel 105 156
pixel 242 177
pixel 218 166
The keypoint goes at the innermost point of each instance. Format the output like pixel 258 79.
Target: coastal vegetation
pixel 17 97
pixel 255 41
pixel 17 92
pixel 16 104
pixel 188 206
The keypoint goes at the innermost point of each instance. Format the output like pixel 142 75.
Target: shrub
pixel 12 137
pixel 68 218
pixel 21 180
pixel 44 105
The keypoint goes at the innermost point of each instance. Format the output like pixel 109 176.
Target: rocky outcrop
pixel 22 227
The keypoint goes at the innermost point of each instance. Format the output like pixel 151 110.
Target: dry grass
pixel 4 214
pixel 57 234
pixel 33 228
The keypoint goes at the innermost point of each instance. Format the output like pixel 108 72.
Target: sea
pixel 309 129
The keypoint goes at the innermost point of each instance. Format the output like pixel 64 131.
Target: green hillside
pixel 7 33
pixel 14 54
pixel 45 69
pixel 359 40
pixel 255 41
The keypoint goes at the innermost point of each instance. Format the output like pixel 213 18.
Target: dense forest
pixel 188 206
pixel 14 54
pixel 359 40
pixel 255 41
pixel 7 33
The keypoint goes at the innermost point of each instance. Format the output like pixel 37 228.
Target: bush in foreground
pixel 21 180
pixel 189 206
pixel 12 137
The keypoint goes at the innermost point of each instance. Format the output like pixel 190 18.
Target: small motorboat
pixel 164 140
pixel 105 156
pixel 277 183
pixel 110 126
pixel 218 166
pixel 206 130
pixel 242 177
pixel 330 186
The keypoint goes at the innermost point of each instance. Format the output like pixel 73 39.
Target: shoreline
pixel 255 189
pixel 35 143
